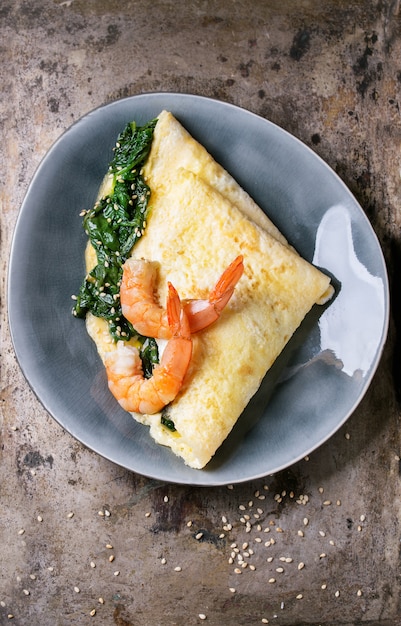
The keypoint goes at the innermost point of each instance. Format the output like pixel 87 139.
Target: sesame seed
pixel 337 594
pixel 347 436
pixel 327 503
pixel 264 620
pixel 147 514
pixel 93 612
pixel 324 586
pixel 101 601
pixel 322 533
pixel 300 533
pixel 305 521
pixel 111 558
pixel 224 519
pixel 280 570
pixel 301 565
pixel 40 518
pixel 230 486
pixel 320 489
pixel 252 567
pixel 109 546
pixel 116 573
pixel 202 616
pixel 362 518
pixel 232 589
pixel 199 536
pixel 165 499
pixel 26 592
pixel 299 596
pixel 2 604
pixel 359 592
pixel 178 569
pixel 32 576
pixel 51 568
pixel 163 561
pixel 21 532
pixel 189 524
pixel 270 559
pixel 76 589
pixel 70 515
pixel 93 565
pixel 322 555
pixel 272 580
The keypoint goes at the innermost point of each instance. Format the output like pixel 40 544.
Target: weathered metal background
pixel 330 73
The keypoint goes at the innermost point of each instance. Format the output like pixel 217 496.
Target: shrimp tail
pixel 202 313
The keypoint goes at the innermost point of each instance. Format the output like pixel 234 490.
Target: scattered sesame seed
pixel 337 594
pixel 232 589
pixel 163 561
pixel 147 514
pixel 252 567
pixel 199 536
pixel 40 518
pixel 116 573
pixel 202 616
pixel 320 489
pixel 322 533
pixel 270 559
pixel 70 515
pixel 51 568
pixel 101 601
pixel 178 569
pixel 264 620
pixel 338 503
pixel 230 486
pixel 324 586
pixel 93 612
pixel 32 576
pixel 109 546
pixel 2 604
pixel 327 503
pixel 76 589
pixel 237 571
pixel 347 436
pixel 322 555
pixel 111 558
pixel 362 518
pixel 280 570
pixel 224 519
pixel 189 524
pixel 10 616
pixel 165 499
pixel 26 592
pixel 359 592
pixel 299 596
pixel 301 565
pixel 21 532
pixel 272 580
pixel 305 521
pixel 93 564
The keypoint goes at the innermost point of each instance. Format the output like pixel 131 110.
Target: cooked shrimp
pixel 126 381
pixel 149 319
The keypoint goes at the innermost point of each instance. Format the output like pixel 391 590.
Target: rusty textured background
pixel 330 73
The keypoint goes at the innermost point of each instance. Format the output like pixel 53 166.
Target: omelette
pixel 199 220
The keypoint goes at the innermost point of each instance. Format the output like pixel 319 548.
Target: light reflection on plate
pixel 327 366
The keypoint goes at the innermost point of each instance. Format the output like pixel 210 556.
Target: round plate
pixel 327 366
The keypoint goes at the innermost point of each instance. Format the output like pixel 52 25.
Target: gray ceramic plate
pixel 327 366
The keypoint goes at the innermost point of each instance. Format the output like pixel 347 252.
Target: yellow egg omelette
pixel 199 220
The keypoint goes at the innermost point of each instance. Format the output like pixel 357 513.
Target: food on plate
pixel 235 290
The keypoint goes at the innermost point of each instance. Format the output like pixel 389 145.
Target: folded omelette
pixel 199 221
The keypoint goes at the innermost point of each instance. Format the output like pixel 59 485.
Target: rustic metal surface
pixel 330 73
